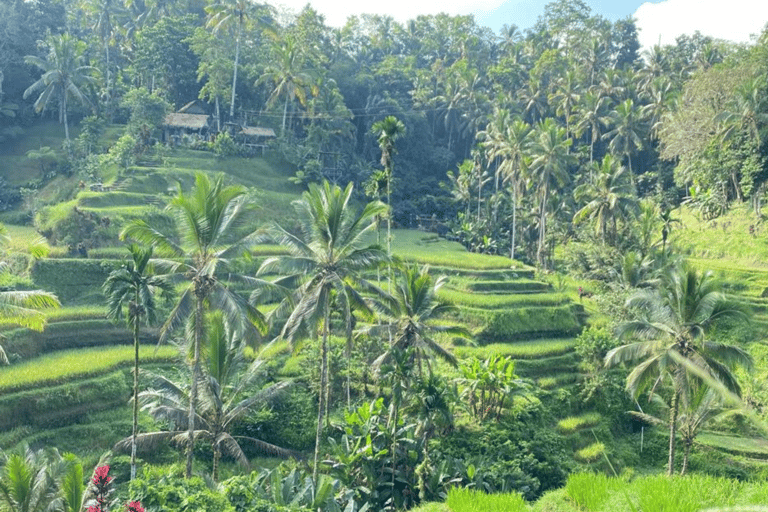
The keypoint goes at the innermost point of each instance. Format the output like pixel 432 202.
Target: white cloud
pixel 336 12
pixel 732 20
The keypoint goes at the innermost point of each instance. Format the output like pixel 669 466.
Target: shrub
pixel 224 146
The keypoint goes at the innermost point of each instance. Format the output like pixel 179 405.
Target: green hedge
pixel 64 404
pixel 501 301
pixel 73 280
pixel 522 323
pixel 26 344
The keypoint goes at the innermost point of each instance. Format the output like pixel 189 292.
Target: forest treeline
pixel 511 141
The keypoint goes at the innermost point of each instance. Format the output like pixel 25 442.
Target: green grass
pixel 590 491
pixel 520 349
pixel 470 500
pixel 520 285
pixel 59 367
pixel 573 424
pixel 494 301
pixel 751 447
pixel 590 453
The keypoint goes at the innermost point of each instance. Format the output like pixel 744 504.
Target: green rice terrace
pixel 250 262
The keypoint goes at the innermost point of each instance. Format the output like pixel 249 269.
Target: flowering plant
pixel 102 488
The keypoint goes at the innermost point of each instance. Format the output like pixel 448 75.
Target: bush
pixel 170 493
pixel 224 146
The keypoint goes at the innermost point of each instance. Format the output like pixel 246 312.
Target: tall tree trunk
pixel 672 432
pixel 514 223
pixel 542 227
pixel 218 115
pixel 216 458
pixel 322 392
pixel 64 115
pixel 285 114
pixel 135 393
pixel 234 73
pixel 686 453
pixel 389 225
pixel 199 311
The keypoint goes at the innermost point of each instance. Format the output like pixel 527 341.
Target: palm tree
pixel 326 259
pixel 411 312
pixel 591 116
pixel 387 131
pixel 207 222
pixel 288 73
pixel 677 316
pixel 22 307
pixel 134 286
pixel 225 397
pixel 35 481
pixel 224 14
pixel 548 171
pixel 514 147
pixel 609 196
pixel 627 131
pixel 65 75
pixel 699 405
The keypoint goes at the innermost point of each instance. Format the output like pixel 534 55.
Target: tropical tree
pixel 65 75
pixel 591 116
pixel 410 314
pixel 226 396
pixel 133 285
pixel 698 406
pixel 387 131
pixel 35 481
pixel 326 258
pixel 289 74
pixel 627 129
pixel 609 197
pixel 206 240
pixel 548 171
pixel 677 316
pixel 225 13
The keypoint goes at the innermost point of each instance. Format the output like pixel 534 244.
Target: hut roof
pixel 187 121
pixel 193 107
pixel 258 131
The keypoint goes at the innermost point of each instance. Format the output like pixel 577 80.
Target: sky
pixel 658 21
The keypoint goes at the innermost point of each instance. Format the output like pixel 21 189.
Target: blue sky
pixel 657 20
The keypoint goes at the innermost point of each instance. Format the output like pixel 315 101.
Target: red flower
pixel 134 506
pixel 101 476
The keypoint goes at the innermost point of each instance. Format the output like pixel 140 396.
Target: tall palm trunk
pixel 672 432
pixel 514 224
pixel 322 399
pixel 234 73
pixel 199 311
pixel 686 453
pixel 135 391
pixel 389 226
pixel 285 115
pixel 64 114
pixel 542 226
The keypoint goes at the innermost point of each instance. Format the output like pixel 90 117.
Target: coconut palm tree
pixel 289 74
pixel 225 13
pixel 698 406
pixel 326 259
pixel 627 131
pixel 225 397
pixel 609 196
pixel 133 285
pixel 677 315
pixel 410 314
pixel 65 75
pixel 387 131
pixel 206 240
pixel 548 170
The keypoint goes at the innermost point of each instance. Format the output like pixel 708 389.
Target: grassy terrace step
pixel 547 365
pixel 113 199
pixel 574 424
pixel 70 334
pixel 74 280
pixel 522 323
pixel 498 301
pixel 521 285
pixel 69 365
pixel 755 448
pixel 484 274
pixel 532 349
